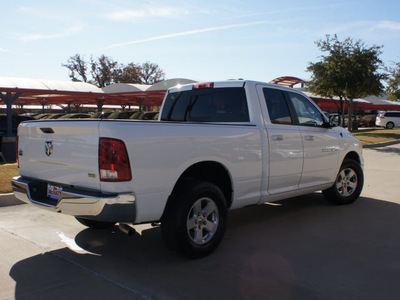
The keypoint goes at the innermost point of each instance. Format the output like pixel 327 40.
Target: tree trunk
pixel 350 111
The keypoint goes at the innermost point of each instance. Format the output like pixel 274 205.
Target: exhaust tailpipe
pixel 125 228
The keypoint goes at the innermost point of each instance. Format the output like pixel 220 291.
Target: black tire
pixel 390 125
pixel 95 224
pixel 195 218
pixel 348 184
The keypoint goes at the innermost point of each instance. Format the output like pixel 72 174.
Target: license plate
pixel 53 191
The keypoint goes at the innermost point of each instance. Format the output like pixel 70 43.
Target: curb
pixel 381 144
pixel 9 200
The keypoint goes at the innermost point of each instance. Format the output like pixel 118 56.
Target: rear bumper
pixel 77 202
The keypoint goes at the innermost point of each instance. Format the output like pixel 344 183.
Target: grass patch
pixel 7 172
pixel 377 135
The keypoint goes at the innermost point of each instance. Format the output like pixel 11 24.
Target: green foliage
pixel 393 82
pixel 348 70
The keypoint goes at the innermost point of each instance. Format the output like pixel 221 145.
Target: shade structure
pixel 28 91
pixel 289 81
pixel 166 84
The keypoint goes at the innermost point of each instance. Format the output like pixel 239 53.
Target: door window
pixel 278 109
pixel 307 113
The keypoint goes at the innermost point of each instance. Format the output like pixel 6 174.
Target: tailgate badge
pixel 48 148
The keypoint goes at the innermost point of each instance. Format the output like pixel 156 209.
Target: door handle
pixel 277 137
pixel 309 137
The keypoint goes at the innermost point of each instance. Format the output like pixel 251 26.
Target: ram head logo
pixel 48 148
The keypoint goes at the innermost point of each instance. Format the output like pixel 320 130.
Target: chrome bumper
pixel 77 202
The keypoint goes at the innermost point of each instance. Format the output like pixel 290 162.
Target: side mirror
pixel 333 121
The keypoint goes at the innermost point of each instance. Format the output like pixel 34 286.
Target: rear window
pixel 207 105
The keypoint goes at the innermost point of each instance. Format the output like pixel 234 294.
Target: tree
pixel 78 66
pixel 393 82
pixel 103 70
pixel 128 74
pixel 350 70
pixel 151 73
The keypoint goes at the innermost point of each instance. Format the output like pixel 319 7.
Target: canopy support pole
pixel 9 99
pixel 69 102
pixel 43 103
pixel 140 101
pixel 100 103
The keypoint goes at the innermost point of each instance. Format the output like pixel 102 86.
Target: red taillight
pixel 113 160
pixel 204 85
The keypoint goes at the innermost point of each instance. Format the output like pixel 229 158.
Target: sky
pixel 199 40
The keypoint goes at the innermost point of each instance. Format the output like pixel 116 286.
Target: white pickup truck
pixel 216 146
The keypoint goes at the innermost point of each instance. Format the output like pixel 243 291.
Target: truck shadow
pixel 392 150
pixel 301 248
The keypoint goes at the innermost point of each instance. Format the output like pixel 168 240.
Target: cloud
pixel 290 9
pixel 3 50
pixel 395 26
pixel 184 33
pixel 133 15
pixel 371 29
pixel 41 36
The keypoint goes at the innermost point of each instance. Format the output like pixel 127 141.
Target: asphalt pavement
pixel 300 248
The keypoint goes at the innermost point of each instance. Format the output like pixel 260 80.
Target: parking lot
pixel 301 248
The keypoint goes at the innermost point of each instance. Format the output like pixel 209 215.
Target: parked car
pixel 388 119
pixel 53 116
pixel 367 121
pixel 41 116
pixel 152 115
pixel 126 114
pixel 101 114
pixel 76 116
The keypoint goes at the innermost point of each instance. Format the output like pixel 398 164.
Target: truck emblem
pixel 48 148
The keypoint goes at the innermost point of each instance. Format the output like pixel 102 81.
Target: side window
pixel 308 114
pixel 392 114
pixel 208 105
pixel 278 109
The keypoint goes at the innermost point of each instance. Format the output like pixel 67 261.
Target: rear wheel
pixel 390 125
pixel 348 185
pixel 95 224
pixel 194 222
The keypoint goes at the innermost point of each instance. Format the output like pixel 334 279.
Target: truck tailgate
pixel 60 151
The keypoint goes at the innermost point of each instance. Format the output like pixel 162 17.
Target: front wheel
pixel 348 185
pixel 195 219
